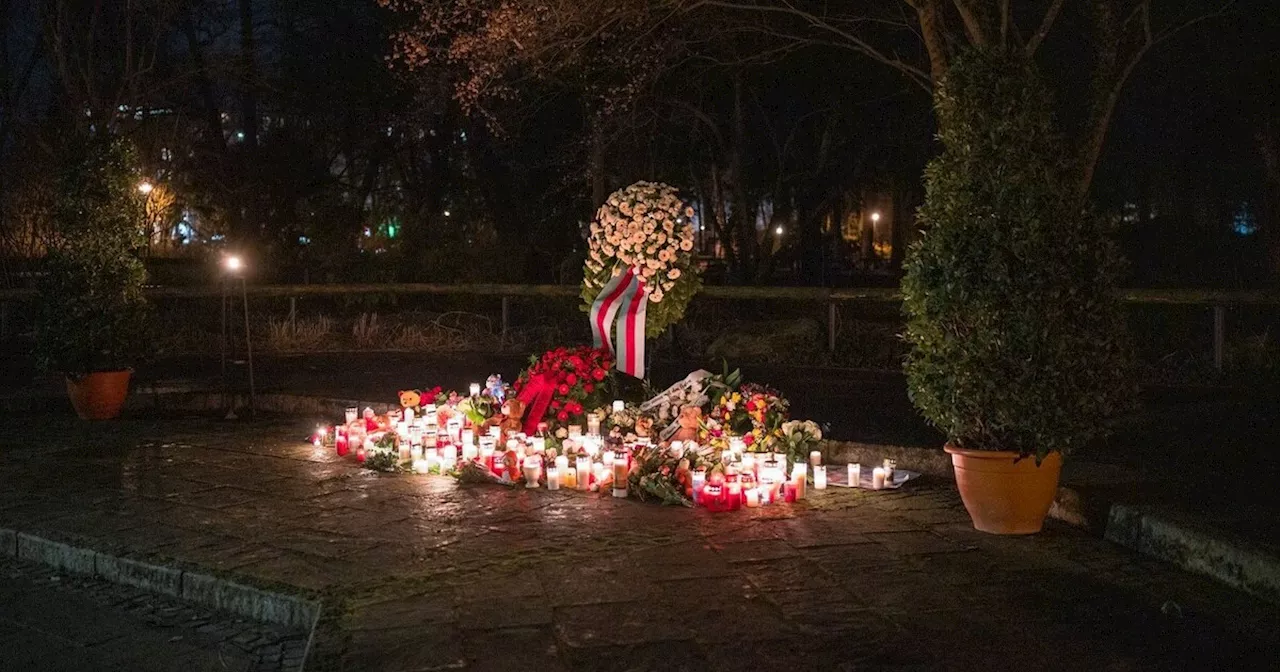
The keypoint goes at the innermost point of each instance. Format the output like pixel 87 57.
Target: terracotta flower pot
pixel 1004 494
pixel 99 395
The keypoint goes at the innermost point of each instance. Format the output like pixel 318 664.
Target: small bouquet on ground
pixel 656 474
pixel 476 472
pixel 799 438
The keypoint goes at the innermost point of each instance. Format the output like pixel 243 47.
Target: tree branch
pixel 1050 15
pixel 972 23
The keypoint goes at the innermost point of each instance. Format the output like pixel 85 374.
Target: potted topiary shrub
pixel 91 313
pixel 1018 350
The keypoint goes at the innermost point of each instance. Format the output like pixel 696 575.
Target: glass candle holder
pixel 351 414
pixel 475 389
pixel 819 477
pixel 619 406
pixel 593 425
pixel 855 475
pixel 620 474
pixel 815 458
pixel 553 478
pixel 532 469
pixel 583 465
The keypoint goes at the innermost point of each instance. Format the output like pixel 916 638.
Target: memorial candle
pixel 553 478
pixel 619 406
pixel 532 466
pixel 475 389
pixel 855 475
pixel 340 441
pixel 495 432
pixel 449 456
pixel 699 482
pixel 734 491
pixel 820 477
pixel 800 476
pixel 468 437
pixel 620 472
pixel 597 472
pixel 454 428
pixel 584 472
pixel 752 498
pixel 420 466
pixel 607 459
pixel 352 414
pixel 877 478
pixel 562 469
pixel 815 458
pixel 593 425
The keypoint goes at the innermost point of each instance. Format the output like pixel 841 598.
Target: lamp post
pixel 233 268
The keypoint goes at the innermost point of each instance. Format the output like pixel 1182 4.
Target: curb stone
pixel 203 589
pixel 1195 547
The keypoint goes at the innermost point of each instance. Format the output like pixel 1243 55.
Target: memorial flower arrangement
pixel 647 228
pixel 755 412
pixel 800 438
pixel 576 379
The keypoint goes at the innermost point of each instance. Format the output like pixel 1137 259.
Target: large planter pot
pixel 1005 494
pixel 99 395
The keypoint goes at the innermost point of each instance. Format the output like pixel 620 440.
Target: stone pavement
pixel 418 572
pixel 53 623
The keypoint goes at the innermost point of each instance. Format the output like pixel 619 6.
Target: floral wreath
pixel 648 228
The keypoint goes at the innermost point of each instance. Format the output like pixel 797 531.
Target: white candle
pixel 486 452
pixel 454 428
pixel 584 472
pixel 495 431
pixel 749 462
pixel 753 498
pixel 855 475
pixel 469 452
pixel 468 437
pixel 877 478
pixel 800 476
pixel 449 455
pixel 820 477
pixel 597 472
pixel 677 449
pixel 408 415
pixel 539 444
pixel 351 415
pixel 531 467
pixel 420 466
pixel 591 444
pixel 607 459
pixel 593 425
pixel 475 389
pixel 553 478
pixel 562 468
pixel 619 406
pixel 815 458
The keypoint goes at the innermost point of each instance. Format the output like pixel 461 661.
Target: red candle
pixel 360 456
pixel 789 490
pixel 733 492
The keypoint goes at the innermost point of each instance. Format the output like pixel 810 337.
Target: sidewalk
pixel 417 572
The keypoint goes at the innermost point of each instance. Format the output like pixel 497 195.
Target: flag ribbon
pixel 620 307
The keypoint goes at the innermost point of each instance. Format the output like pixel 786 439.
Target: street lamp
pixel 875 218
pixel 145 187
pixel 233 265
pixel 778 230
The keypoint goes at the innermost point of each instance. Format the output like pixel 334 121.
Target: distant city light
pixel 447 213
pixel 145 187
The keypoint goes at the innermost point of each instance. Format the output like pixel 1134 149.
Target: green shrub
pixel 1016 338
pixel 91 314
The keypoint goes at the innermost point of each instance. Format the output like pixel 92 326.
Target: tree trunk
pixel 741 213
pixel 212 115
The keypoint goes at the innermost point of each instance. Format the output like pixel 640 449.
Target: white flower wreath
pixel 648 228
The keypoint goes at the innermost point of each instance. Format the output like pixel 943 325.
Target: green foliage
pixel 1017 339
pixel 92 315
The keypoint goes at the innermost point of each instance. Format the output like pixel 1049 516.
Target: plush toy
pixel 684 477
pixel 410 398
pixel 511 463
pixel 644 426
pixel 512 414
pixel 690 419
pixel 495 387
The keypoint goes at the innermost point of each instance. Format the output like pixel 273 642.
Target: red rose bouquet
pixel 577 378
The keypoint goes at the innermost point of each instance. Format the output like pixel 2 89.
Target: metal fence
pixel 836 300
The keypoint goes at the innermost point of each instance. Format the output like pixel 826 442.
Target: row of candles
pixel 747 479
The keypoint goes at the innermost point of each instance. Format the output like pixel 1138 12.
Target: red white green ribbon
pixel 621 305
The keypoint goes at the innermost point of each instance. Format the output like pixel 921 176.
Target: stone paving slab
pixel 418 572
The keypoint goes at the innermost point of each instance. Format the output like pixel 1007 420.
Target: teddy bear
pixel 510 421
pixel 690 420
pixel 410 398
pixel 644 426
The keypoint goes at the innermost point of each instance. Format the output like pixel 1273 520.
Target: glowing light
pixel 233 263
pixel 145 187
pixel 875 217
pixel 778 230
pixel 447 213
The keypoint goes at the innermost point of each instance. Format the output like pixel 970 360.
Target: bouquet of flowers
pixel 578 378
pixel 756 412
pixel 799 438
pixel 665 406
pixel 648 228
pixel 656 474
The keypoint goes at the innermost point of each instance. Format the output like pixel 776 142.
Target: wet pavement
pixel 418 572
pixel 52 622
